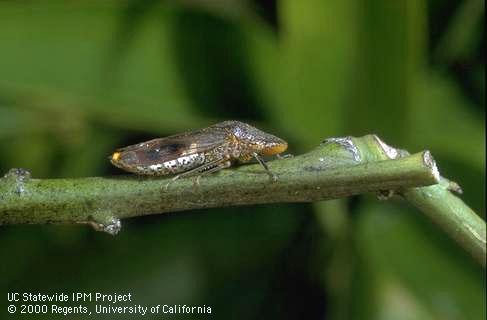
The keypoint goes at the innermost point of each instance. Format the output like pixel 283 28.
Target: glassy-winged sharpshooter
pixel 199 152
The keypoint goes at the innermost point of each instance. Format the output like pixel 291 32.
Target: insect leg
pixel 262 162
pixel 196 171
pixel 218 167
pixel 202 169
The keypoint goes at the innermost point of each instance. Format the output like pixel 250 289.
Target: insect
pixel 199 152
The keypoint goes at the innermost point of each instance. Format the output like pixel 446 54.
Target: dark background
pixel 81 78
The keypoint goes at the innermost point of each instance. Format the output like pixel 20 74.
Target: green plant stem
pixel 330 171
pixel 451 213
pixel 339 167
pixel 439 203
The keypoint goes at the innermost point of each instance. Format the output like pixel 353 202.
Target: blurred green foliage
pixel 78 79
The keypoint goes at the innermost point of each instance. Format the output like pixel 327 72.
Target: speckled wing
pixel 169 148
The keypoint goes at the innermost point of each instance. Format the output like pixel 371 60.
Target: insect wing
pixel 172 147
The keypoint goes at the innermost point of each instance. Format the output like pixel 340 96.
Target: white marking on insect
pixel 156 167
